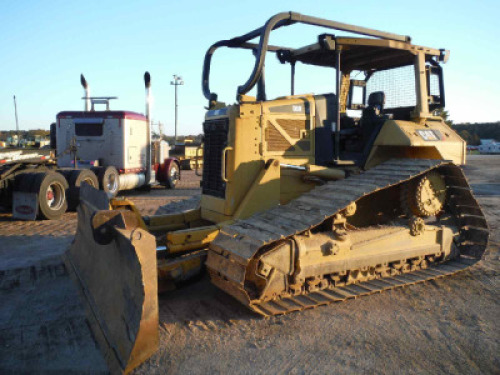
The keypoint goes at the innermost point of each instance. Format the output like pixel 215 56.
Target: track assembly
pixel 307 253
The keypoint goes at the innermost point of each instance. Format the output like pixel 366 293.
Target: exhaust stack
pixel 147 84
pixel 86 87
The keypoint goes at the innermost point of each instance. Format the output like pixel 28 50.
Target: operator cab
pixel 393 78
pixel 388 88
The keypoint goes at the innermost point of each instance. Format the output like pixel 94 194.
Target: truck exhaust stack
pixel 86 87
pixel 147 84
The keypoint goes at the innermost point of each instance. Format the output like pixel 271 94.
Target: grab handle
pixel 223 169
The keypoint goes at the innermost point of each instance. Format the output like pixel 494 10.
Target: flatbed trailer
pixel 33 184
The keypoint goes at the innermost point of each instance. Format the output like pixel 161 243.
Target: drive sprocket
pixel 425 196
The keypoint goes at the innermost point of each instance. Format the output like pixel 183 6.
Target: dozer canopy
pixel 384 50
pixel 376 51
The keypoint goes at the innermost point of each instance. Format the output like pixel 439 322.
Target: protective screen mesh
pixel 398 84
pixel 434 85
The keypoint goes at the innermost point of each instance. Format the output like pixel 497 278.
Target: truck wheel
pixel 51 189
pixel 173 175
pixel 109 180
pixel 75 179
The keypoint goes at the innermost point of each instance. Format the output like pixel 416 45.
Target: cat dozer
pixel 306 199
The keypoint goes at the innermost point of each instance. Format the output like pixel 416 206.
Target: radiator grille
pixel 292 127
pixel 275 141
pixel 214 143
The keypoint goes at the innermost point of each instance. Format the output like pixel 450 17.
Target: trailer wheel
pixel 51 189
pixel 109 180
pixel 173 175
pixel 75 179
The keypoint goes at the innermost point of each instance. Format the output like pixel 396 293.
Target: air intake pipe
pixel 86 88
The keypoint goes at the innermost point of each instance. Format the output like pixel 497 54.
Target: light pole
pixel 17 123
pixel 176 82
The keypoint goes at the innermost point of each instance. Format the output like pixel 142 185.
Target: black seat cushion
pixel 377 99
pixel 372 114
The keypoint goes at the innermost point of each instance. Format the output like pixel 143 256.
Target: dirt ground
pixel 444 326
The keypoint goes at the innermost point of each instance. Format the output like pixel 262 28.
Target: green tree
pixel 444 114
pixel 465 136
pixel 41 132
pixel 475 140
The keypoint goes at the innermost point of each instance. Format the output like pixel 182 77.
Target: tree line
pixel 473 133
pixel 23 134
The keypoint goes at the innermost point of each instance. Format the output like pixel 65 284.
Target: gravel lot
pixel 444 326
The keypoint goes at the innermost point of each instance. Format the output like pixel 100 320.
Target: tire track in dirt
pixel 42 322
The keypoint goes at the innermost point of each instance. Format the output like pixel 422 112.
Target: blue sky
pixel 45 45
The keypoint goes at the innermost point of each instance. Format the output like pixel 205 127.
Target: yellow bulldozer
pixel 306 199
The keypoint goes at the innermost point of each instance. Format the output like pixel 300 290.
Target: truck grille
pixel 215 142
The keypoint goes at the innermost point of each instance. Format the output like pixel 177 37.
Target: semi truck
pixel 107 149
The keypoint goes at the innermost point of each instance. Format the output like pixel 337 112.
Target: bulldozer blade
pixel 113 262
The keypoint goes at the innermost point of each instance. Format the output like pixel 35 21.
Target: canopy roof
pixel 381 50
pixel 358 53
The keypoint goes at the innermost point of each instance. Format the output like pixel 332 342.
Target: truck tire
pixel 109 180
pixel 51 188
pixel 75 179
pixel 173 175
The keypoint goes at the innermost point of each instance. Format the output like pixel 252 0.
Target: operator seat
pixel 372 114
